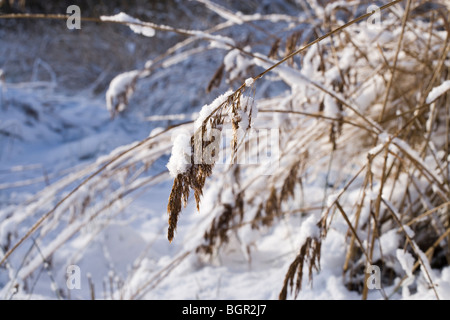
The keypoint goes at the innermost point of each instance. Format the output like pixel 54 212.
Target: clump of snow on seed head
pixel 180 160
pixel 208 109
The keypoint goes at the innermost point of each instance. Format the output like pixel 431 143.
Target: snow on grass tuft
pixel 120 90
pixel 208 109
pixel 249 82
pixel 180 159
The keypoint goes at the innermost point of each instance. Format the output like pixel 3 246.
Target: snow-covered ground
pixel 64 159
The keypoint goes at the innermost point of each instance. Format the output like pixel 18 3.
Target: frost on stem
pixel 136 25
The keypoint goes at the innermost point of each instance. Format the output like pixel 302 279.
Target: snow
pixel 409 232
pixel 217 41
pixel 156 131
pixel 405 147
pixel 406 261
pixel 331 109
pixel 427 272
pixel 389 242
pixel 331 199
pixel 376 150
pixel 308 229
pixel 236 63
pixel 208 109
pixel 289 75
pixel 180 160
pixel 121 85
pixel 135 24
pixel 228 15
pixel 248 110
pixel 438 91
pixel 249 82
pixel 229 59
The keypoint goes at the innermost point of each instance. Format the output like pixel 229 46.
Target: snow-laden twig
pixel 133 23
pixel 438 91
